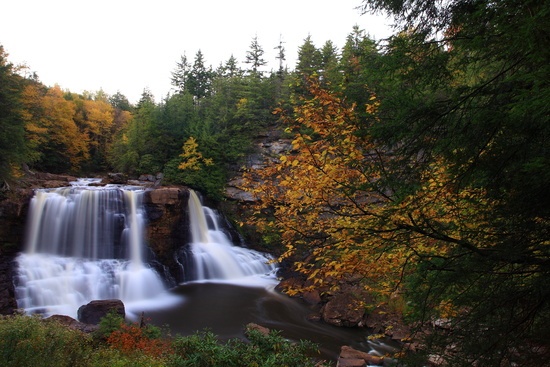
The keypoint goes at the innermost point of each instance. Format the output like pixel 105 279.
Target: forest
pixel 419 166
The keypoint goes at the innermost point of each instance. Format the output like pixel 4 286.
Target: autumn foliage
pixel 337 217
pixel 131 338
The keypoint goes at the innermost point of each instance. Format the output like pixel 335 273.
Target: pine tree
pixel 255 57
pixel 12 133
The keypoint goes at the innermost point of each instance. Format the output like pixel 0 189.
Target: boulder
pixel 93 312
pixel 352 357
pixel 72 323
pixel 261 329
pixel 343 310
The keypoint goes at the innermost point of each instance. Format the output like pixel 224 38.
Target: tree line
pixel 419 165
pixel 221 109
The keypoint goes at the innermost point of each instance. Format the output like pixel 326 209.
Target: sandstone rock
pixel 349 354
pixel 164 196
pixel 94 311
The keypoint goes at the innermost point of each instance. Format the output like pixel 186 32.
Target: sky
pixel 129 45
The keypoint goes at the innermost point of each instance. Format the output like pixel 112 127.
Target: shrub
pixel 30 341
pixel 204 350
pixel 131 338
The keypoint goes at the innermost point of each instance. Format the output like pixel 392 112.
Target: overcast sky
pixel 129 45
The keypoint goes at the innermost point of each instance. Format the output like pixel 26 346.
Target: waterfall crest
pixel 82 244
pixel 214 257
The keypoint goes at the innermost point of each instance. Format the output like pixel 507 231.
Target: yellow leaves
pixel 323 199
pixel 192 158
pixel 446 309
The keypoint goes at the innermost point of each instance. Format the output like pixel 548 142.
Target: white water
pixel 215 257
pixel 83 244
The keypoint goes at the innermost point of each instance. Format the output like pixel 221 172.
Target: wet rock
pixel 350 357
pixel 168 225
pixel 13 212
pixel 312 297
pixel 93 312
pixel 343 310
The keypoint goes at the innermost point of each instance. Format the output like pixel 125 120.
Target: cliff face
pixel 168 228
pixel 13 214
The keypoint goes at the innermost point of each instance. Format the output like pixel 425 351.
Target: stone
pixel 350 363
pixel 164 196
pixel 349 353
pixel 117 178
pixel 312 297
pixel 93 312
pixel 343 310
pixel 252 326
pixel 72 323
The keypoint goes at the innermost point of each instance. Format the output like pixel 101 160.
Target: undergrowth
pixel 34 342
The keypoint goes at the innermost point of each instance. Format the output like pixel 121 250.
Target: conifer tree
pixel 255 57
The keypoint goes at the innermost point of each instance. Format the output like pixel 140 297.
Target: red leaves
pixel 130 338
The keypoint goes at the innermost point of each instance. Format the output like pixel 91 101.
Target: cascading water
pixel 84 243
pixel 214 257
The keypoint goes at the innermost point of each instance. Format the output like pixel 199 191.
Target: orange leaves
pixel 131 338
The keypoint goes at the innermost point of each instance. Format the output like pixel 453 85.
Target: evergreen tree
pixel 470 86
pixel 180 75
pixel 329 64
pixel 255 57
pixel 12 131
pixel 199 79
pixel 309 58
pixel 230 69
pixel 281 56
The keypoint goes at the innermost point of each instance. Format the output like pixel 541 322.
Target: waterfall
pixel 84 243
pixel 213 255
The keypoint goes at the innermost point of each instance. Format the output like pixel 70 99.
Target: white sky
pixel 129 45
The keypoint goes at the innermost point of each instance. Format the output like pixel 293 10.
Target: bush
pixel 131 338
pixel 204 350
pixel 30 341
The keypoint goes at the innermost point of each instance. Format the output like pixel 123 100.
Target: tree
pixel 180 75
pixel 199 80
pixel 309 58
pixel 12 144
pixel 230 69
pixel 255 57
pixel 439 178
pixel 445 241
pixel 52 131
pixel 281 57
pixel 359 57
pixel 330 59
